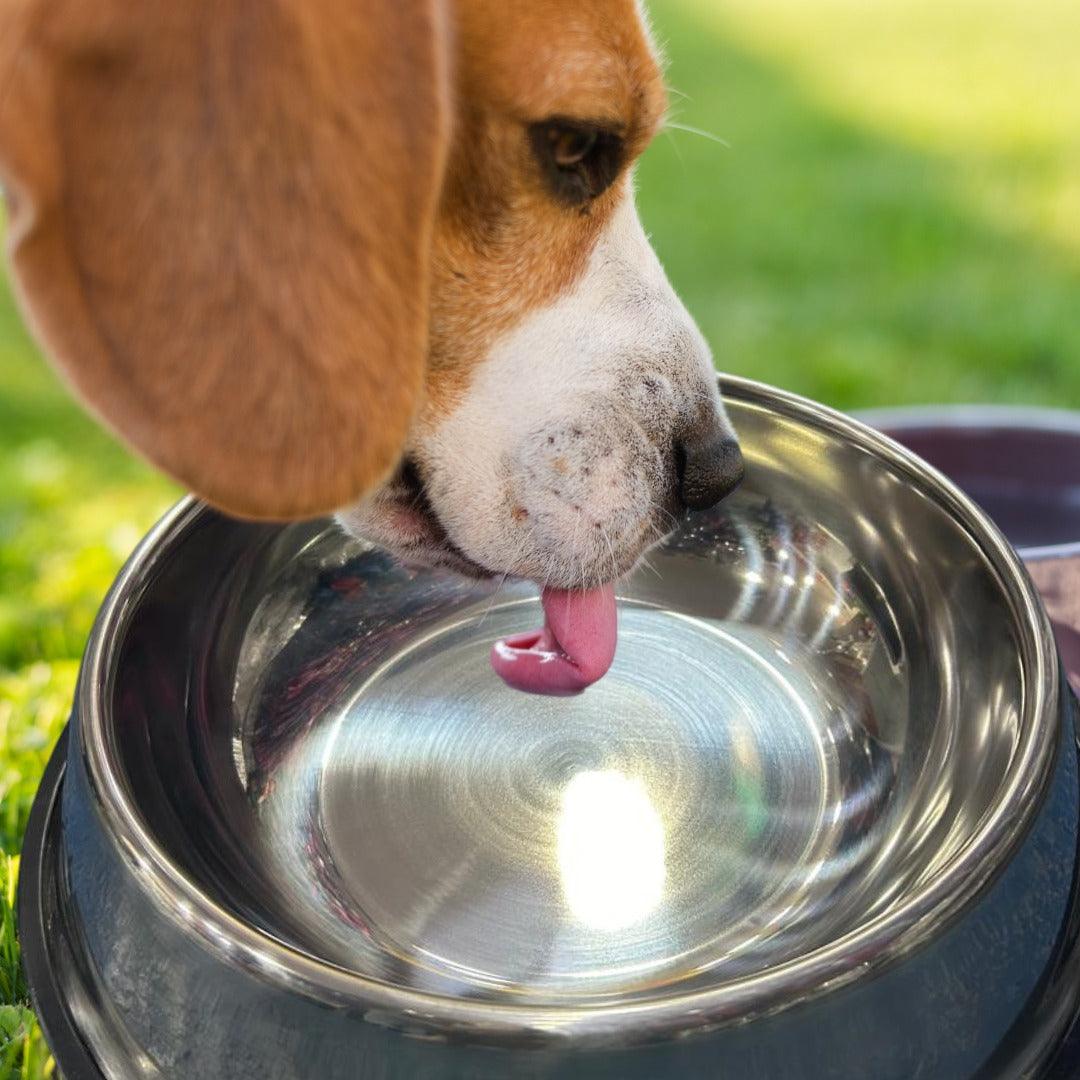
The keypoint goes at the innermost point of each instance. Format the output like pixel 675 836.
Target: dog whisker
pixel 506 574
pixel 611 552
pixel 494 597
pixel 675 146
pixel 690 129
pixel 647 563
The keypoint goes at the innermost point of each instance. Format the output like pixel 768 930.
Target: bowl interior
pixel 818 694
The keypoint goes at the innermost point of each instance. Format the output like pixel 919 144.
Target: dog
pixel 374 259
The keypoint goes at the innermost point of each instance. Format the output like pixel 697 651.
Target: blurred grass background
pixel 895 218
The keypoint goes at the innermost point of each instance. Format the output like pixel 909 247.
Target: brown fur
pixel 248 234
pixel 503 247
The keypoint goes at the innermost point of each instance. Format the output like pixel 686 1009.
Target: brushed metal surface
pixel 714 807
pixel 1022 466
pixel 829 723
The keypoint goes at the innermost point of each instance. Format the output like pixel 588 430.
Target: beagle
pixel 376 259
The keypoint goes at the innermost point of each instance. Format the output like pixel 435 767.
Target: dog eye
pixel 579 160
pixel 570 147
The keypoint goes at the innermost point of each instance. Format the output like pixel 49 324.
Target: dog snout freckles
pixel 589 486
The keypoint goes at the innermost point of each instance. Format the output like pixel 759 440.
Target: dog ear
pixel 221 216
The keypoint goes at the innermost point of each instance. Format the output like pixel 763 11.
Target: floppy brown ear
pixel 221 215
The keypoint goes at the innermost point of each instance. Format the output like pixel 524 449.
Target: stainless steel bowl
pixel 816 821
pixel 1019 463
pixel 1022 466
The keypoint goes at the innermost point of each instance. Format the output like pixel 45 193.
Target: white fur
pixel 559 465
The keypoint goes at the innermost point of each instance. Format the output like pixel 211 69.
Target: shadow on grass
pixel 831 260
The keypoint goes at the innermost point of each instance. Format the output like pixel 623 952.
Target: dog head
pixel 314 254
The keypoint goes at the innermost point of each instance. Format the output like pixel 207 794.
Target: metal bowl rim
pixel 1033 418
pixel 888 937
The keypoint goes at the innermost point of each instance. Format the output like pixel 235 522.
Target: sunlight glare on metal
pixel 611 850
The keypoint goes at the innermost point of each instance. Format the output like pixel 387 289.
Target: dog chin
pixel 434 557
pixel 418 542
pixel 417 546
pixel 401 519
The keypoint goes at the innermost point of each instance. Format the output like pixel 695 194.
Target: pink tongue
pixel 574 649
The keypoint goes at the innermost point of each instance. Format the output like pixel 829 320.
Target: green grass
pixel 23 1052
pixel 896 219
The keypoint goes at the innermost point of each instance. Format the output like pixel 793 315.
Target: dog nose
pixel 708 469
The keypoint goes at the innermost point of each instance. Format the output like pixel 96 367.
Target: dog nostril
pixel 707 470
